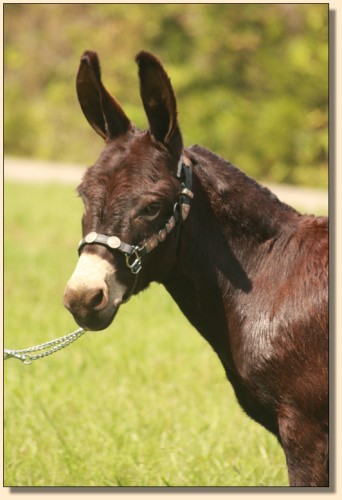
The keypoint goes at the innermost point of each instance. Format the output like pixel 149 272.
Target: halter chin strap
pixel 134 253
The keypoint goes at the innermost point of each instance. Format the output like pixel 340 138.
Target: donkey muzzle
pixel 93 294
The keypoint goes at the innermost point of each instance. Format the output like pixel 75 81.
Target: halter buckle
pixel 136 265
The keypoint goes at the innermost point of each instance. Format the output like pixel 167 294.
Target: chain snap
pixel 136 265
pixel 27 359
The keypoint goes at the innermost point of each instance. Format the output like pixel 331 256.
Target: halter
pixel 134 253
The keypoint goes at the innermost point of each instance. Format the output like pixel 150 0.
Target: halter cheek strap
pixel 134 253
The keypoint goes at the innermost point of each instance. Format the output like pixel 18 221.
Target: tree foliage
pixel 251 79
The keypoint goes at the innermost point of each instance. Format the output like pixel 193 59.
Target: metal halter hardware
pixel 134 253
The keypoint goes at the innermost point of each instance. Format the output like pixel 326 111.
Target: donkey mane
pixel 247 211
pixel 227 177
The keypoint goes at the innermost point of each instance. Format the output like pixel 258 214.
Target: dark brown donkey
pixel 249 272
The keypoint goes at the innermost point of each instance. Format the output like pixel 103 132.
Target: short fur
pixel 248 271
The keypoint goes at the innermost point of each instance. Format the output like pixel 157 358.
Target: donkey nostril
pixel 98 300
pixel 82 301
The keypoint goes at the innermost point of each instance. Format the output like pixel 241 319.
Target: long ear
pixel 159 101
pixel 102 111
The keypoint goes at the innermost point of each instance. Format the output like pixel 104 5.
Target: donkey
pixel 248 271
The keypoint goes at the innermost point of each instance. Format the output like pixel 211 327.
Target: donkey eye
pixel 151 210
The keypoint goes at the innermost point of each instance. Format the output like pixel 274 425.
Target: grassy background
pixel 144 403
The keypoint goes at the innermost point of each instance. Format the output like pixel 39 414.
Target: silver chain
pixel 43 350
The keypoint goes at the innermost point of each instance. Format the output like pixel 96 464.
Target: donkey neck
pixel 232 211
pixel 233 225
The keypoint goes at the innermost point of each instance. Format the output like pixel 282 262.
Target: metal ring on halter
pixel 136 265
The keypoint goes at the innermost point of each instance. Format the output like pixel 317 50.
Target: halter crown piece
pixel 134 253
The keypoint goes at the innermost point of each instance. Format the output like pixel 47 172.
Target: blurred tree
pixel 251 79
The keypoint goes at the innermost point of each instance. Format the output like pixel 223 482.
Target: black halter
pixel 134 253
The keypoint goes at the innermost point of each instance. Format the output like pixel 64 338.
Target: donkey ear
pixel 159 101
pixel 101 110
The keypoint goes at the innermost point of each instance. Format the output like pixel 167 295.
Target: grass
pixel 144 403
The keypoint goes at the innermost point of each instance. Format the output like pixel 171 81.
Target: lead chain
pixel 55 345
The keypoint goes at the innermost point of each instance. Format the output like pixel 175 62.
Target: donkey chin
pixel 95 321
pixel 93 294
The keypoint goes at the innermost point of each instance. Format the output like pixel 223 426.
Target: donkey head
pixel 133 195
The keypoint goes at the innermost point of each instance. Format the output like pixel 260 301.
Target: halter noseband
pixel 134 253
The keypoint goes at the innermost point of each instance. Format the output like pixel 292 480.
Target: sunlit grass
pixel 144 403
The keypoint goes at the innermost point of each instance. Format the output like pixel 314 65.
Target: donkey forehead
pixel 127 166
pixel 140 151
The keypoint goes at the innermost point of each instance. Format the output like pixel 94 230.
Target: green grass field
pixel 144 403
